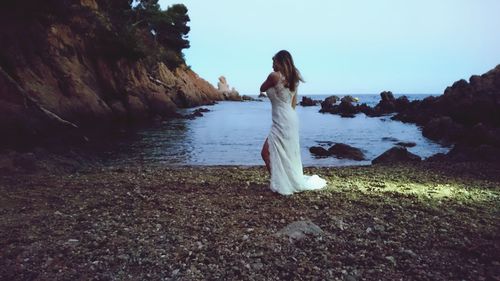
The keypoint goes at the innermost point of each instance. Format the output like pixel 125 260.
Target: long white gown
pixel 287 176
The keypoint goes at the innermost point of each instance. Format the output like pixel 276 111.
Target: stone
pixel 319 151
pixel 328 103
pixel 299 230
pixel 306 101
pixel 396 154
pixel 349 99
pixel 341 150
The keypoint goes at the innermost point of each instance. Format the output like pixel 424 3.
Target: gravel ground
pixel 426 221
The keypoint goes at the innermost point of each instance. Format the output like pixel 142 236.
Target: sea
pixel 232 133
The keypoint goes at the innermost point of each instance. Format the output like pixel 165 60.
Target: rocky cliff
pixel 63 75
pixel 467 112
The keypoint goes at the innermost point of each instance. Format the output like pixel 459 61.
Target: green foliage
pixel 117 10
pixel 131 29
pixel 146 31
pixel 121 44
pixel 168 28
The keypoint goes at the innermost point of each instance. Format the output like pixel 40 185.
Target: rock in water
pixel 328 103
pixel 395 155
pixel 307 101
pixel 229 94
pixel 349 99
pixel 319 151
pixel 341 150
pixel 406 144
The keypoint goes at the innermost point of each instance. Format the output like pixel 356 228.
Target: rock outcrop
pixel 329 103
pixel 224 89
pixel 307 101
pixel 394 155
pixel 466 115
pixel 341 150
pixel 58 76
pixel 467 112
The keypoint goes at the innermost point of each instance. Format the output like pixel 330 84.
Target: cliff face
pixel 467 115
pixel 466 104
pixel 55 76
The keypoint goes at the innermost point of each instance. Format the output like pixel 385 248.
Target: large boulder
pixel 349 99
pixel 341 150
pixel 328 104
pixel 402 103
pixel 387 96
pixel 338 150
pixel 387 103
pixel 306 101
pixel 367 110
pixel 396 154
pixel 319 151
pixel 346 109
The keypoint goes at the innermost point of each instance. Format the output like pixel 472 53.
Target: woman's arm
pixel 294 101
pixel 270 82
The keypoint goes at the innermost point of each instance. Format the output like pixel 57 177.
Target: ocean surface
pixel 232 133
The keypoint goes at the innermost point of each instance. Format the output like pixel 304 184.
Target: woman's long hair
pixel 285 64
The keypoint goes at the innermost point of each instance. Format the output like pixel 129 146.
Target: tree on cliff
pixel 168 27
pixel 150 31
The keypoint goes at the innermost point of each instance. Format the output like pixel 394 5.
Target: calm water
pixel 232 133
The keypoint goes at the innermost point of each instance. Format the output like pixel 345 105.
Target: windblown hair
pixel 285 64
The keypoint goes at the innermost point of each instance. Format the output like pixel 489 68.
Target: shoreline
pixel 434 221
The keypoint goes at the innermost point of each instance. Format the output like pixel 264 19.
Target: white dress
pixel 287 175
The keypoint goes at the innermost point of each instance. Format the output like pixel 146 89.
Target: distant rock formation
pixel 344 109
pixel 307 101
pixel 328 104
pixel 229 94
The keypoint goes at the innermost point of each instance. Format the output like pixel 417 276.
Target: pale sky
pixel 345 47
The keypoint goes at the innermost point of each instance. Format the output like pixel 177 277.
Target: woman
pixel 281 150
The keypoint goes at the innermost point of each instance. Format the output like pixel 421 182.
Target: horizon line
pixel 353 94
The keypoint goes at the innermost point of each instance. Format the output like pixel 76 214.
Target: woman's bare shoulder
pixel 274 76
pixel 271 81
